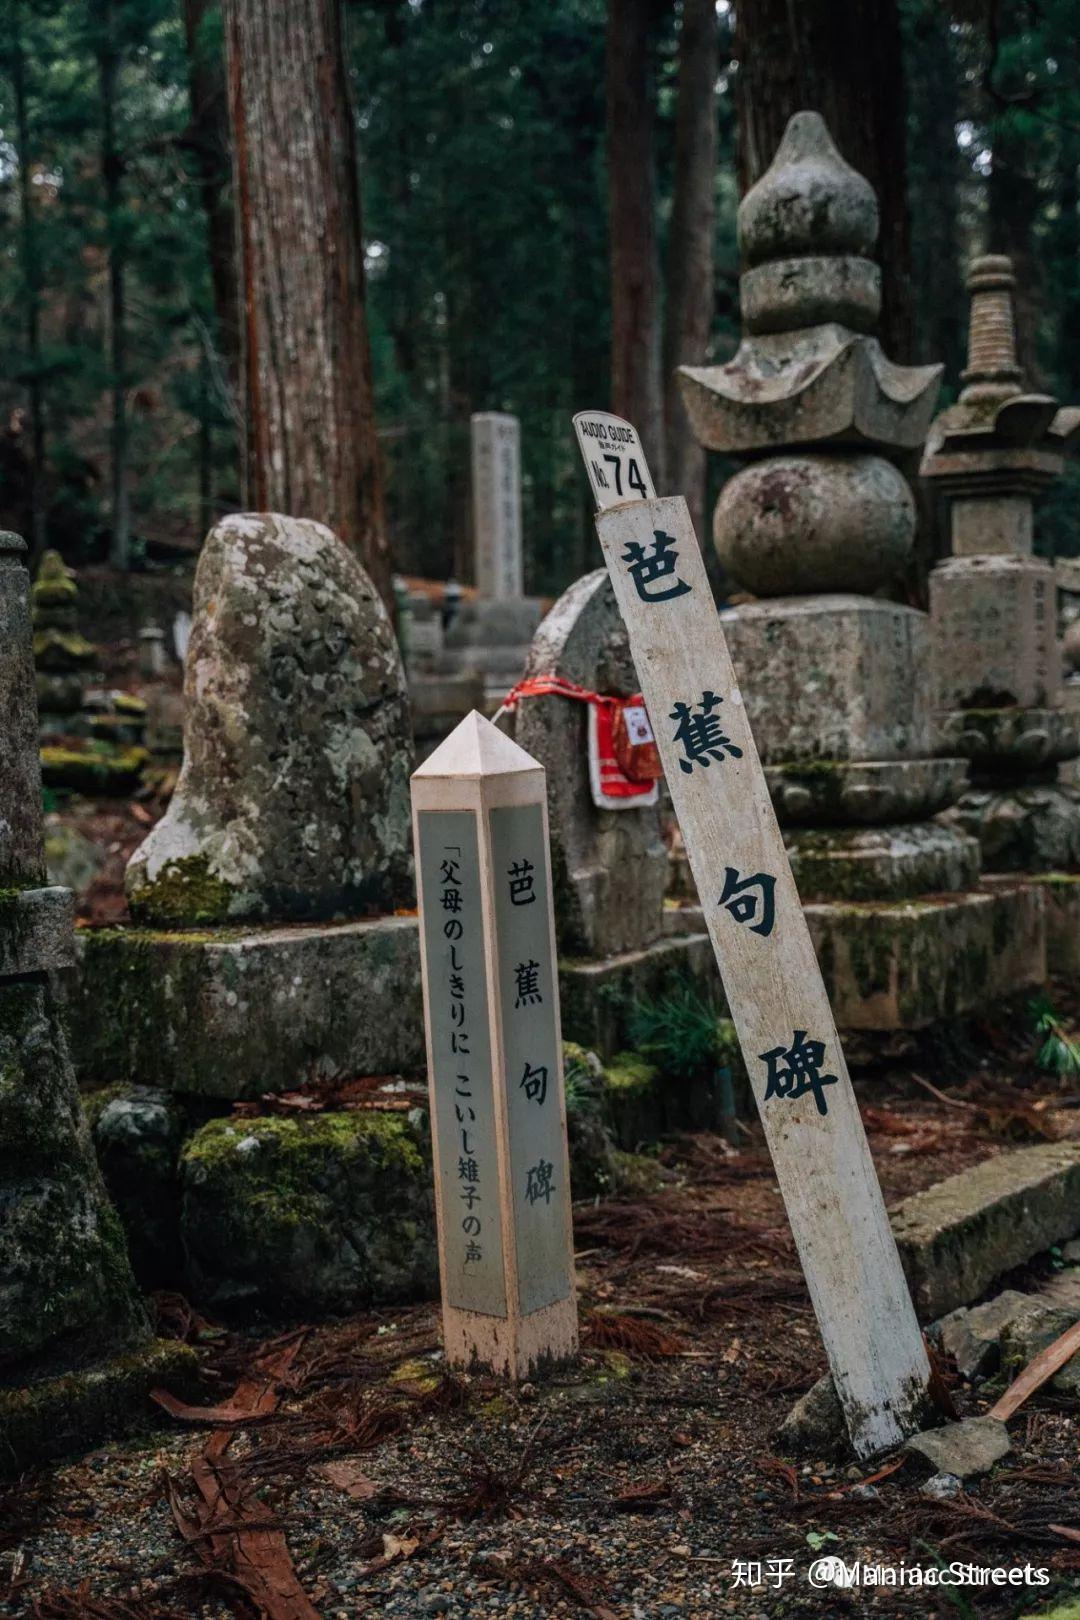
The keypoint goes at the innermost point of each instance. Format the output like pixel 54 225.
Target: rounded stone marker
pixel 293 800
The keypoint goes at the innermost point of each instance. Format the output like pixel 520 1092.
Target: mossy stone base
pixel 597 996
pixel 76 1411
pixel 104 772
pixel 66 1289
pixel 1021 827
pixel 1061 898
pixel 318 1214
pixel 235 1013
pixel 881 863
pixel 908 964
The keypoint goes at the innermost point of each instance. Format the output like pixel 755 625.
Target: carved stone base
pixel 1004 741
pixel 1033 828
pixel 909 964
pixel 822 792
pixel 881 863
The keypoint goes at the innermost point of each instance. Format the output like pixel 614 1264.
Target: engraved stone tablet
pixel 502 1188
pixel 496 491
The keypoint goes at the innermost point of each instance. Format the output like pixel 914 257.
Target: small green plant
pixel 683 1032
pixel 1059 1052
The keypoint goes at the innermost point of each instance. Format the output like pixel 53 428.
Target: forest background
pixel 548 196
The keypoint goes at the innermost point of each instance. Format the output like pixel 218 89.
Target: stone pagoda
pixel 819 525
pixel 996 664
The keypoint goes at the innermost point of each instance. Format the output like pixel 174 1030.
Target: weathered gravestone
pixel 496 505
pixel 293 798
pixel 765 954
pixel 610 867
pixel 491 998
pixel 67 1298
pixel 996 664
pixel 819 524
pixel 292 808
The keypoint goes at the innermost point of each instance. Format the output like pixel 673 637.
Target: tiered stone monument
pixel 609 867
pixel 71 1325
pixel 835 675
pixel 997 668
pixel 292 809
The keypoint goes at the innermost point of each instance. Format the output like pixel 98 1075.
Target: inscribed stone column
pixel 996 664
pixel 496 500
pixel 819 524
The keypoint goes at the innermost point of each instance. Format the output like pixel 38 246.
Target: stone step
pixel 959 1236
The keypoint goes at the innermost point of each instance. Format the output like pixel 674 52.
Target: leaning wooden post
pixel 763 947
pixel 491 1004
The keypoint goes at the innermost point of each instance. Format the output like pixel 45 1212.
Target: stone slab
pixel 36 930
pixel 833 677
pixel 496 503
pixel 971 1337
pixel 958 1236
pixel 240 1012
pixel 597 996
pixel 911 963
pixel 78 1410
pixel 963 1449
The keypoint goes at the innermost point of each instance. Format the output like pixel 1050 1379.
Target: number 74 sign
pixel 614 459
pixel 762 943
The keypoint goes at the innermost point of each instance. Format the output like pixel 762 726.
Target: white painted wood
pixel 770 972
pixel 515 1307
pixel 496 502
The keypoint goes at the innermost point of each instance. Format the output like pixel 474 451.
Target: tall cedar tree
pixel 311 446
pixel 636 391
pixel 689 309
pixel 841 58
pixel 207 139
pixel 112 170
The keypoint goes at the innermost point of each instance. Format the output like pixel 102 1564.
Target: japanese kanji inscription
pixel 491 1000
pixel 766 958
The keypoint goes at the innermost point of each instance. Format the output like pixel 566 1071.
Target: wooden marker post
pixel 494 1044
pixel 763 948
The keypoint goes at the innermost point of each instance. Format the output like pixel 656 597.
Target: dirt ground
pixel 643 1482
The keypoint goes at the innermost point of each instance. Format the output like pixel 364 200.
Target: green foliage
pixel 1059 1052
pixel 683 1033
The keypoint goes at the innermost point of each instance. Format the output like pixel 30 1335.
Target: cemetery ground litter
pixel 337 1469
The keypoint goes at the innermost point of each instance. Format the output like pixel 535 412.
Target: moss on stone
pixel 184 891
pixel 114 771
pixel 56 649
pixel 628 1071
pixel 74 1411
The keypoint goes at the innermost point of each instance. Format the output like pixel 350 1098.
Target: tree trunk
pixel 841 58
pixel 112 168
pixel 31 275
pixel 689 311
pixel 208 141
pixel 636 392
pixel 311 446
pixel 936 174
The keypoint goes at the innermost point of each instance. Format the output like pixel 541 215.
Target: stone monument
pixel 496 505
pixel 819 524
pixel 609 867
pixel 996 664
pixel 495 1070
pixel 71 1323
pixel 292 808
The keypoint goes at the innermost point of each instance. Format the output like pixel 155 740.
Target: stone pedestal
pixel 836 681
pixel 996 662
pixel 69 1305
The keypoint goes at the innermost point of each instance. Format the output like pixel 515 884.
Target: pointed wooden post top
pixel 476 748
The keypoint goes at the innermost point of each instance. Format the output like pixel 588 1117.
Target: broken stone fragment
pixel 815 1423
pixel 1034 1331
pixel 972 1337
pixel 963 1449
pixel 293 800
